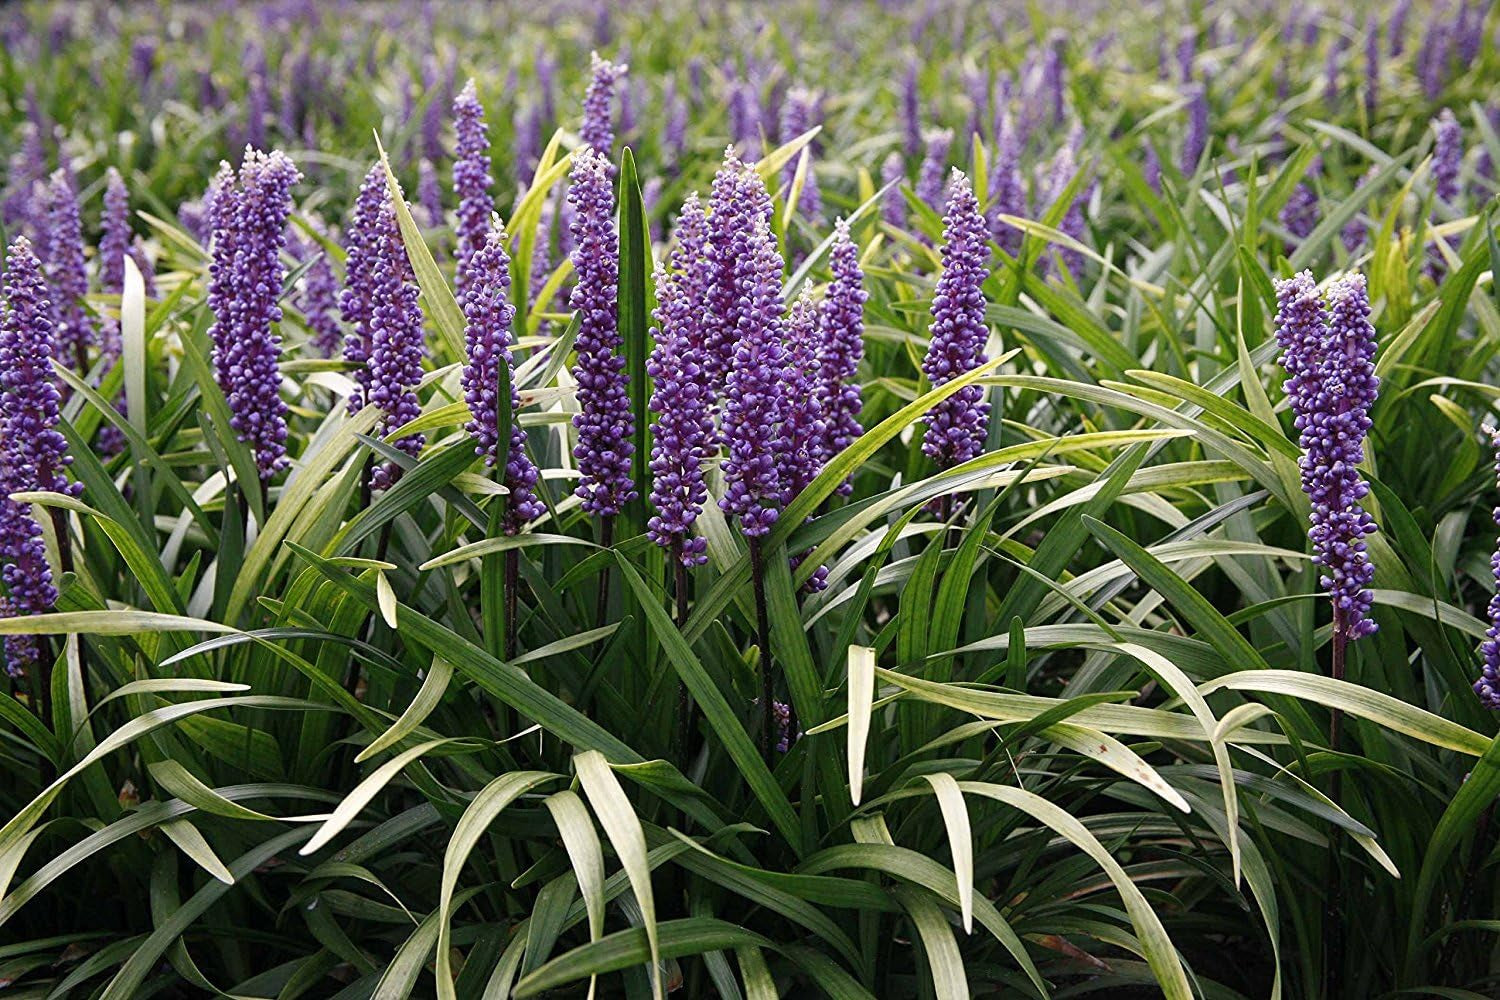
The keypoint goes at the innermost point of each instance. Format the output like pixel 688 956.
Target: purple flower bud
pixel 604 447
pixel 1053 73
pixel 1447 155
pixel 748 268
pixel 683 430
pixel 1487 687
pixel 67 272
pixel 245 284
pixel 144 264
pixel 957 426
pixel 1328 352
pixel 471 178
pixel 34 453
pixel 841 325
pixel 1372 67
pixel 598 129
pixel 488 315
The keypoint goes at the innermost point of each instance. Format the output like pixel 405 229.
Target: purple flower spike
pixel 911 110
pixel 34 453
pixel 1299 216
pixel 1328 352
pixel 115 237
pixel 430 192
pixel 598 129
pixel 736 208
pixel 1196 139
pixel 802 433
pixel 893 205
pixel 380 302
pixel 1487 687
pixel 471 178
pixel 365 279
pixel 932 174
pixel 841 327
pixel 1447 155
pixel 752 403
pixel 604 423
pixel 318 298
pixel 1007 188
pixel 1061 172
pixel 683 430
pixel 245 282
pixel 956 427
pixel 488 315
pixel 798 112
pixel 25 171
pixel 67 271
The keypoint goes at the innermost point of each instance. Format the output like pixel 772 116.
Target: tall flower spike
pixel 114 239
pixel 488 315
pixel 734 212
pixel 245 284
pixel 801 441
pixel 752 403
pixel 841 345
pixel 956 427
pixel 365 280
pixel 931 176
pixel 1007 189
pixel 1195 141
pixel 67 271
pixel 892 174
pixel 604 423
pixel 798 112
pixel 682 432
pixel 318 298
pixel 471 178
pixel 1447 155
pixel 396 343
pixel 1299 216
pixel 1328 352
pixel 598 129
pixel 1487 687
pixel 430 192
pixel 34 453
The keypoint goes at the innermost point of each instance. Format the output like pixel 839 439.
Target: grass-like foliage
pixel 1066 713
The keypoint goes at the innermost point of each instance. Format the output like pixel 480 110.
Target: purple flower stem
pixel 684 700
pixel 512 584
pixel 606 541
pixel 763 640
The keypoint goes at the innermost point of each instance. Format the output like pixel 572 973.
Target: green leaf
pixel 623 828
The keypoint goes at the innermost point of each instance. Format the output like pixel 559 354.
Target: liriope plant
pixel 394 714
